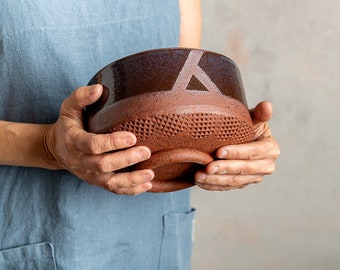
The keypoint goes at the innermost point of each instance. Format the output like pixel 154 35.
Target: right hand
pixel 95 157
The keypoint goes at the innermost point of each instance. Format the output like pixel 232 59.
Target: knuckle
pixel 121 186
pixel 234 181
pixel 214 179
pixel 252 153
pixel 112 142
pixel 248 153
pixel 129 159
pixel 100 165
pixel 92 145
pixel 239 154
pixel 109 142
pixel 110 184
pixel 98 144
pixel 130 180
pixel 245 169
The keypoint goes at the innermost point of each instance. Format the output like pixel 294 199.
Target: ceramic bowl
pixel 181 103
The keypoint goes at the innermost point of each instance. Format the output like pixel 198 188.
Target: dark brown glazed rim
pixel 182 103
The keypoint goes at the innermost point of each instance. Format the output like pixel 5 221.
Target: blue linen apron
pixel 51 219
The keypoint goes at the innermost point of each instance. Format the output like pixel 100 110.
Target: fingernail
pixel 92 90
pixel 148 177
pixel 214 170
pixel 148 185
pixel 224 154
pixel 201 177
pixel 144 154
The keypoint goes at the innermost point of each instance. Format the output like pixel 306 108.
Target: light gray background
pixel 288 52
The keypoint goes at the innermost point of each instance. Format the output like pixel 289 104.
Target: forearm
pixel 24 144
pixel 191 23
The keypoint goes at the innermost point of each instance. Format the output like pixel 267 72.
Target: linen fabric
pixel 51 219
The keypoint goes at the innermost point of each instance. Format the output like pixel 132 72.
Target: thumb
pixel 80 98
pixel 263 112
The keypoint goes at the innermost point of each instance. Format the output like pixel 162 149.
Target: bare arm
pixel 238 165
pixel 66 145
pixel 191 23
pixel 244 164
pixel 22 144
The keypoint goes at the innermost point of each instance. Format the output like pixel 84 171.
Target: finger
pixel 79 99
pixel 135 190
pixel 128 181
pixel 91 143
pixel 242 167
pixel 105 163
pixel 266 148
pixel 217 188
pixel 227 180
pixel 261 130
pixel 262 112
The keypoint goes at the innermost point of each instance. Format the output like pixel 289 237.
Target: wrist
pixel 27 145
pixel 48 142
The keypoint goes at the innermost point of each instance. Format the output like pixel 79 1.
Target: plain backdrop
pixel 288 52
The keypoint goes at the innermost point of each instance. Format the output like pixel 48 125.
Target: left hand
pixel 243 164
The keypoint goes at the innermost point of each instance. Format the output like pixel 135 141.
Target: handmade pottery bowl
pixel 181 103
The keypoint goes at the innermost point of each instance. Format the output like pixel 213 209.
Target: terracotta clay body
pixel 181 103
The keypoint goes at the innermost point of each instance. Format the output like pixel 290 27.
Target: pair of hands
pixel 94 157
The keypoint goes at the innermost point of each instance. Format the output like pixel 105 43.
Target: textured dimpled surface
pixel 229 130
pixel 181 103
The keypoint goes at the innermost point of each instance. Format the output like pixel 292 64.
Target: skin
pixel 244 164
pixel 94 158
